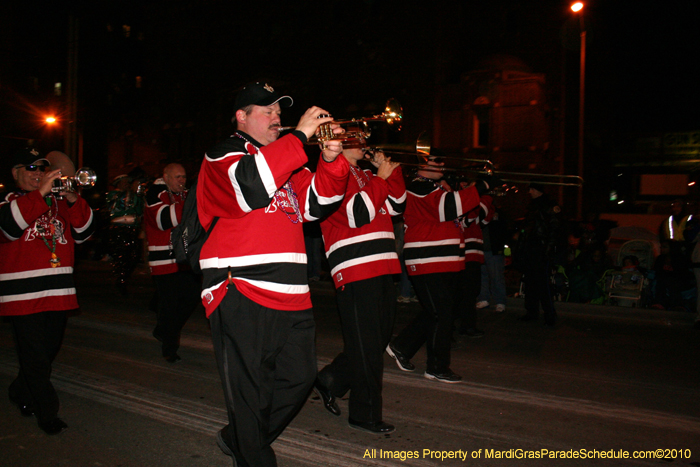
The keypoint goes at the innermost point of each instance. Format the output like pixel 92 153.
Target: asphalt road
pixel 607 381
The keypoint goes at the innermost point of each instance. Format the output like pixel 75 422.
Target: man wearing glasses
pixel 38 233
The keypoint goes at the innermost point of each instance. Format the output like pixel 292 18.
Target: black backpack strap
pixel 211 227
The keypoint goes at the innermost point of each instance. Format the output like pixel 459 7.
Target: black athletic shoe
pixel 402 361
pixel 53 427
pixel 446 376
pixel 379 428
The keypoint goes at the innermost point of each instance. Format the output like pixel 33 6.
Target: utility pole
pixel 71 129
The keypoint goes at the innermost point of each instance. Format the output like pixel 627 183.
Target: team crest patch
pixel 209 297
pixel 268 88
pixel 339 277
pixel 412 268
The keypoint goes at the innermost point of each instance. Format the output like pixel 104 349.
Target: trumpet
pixel 356 130
pixel 85 178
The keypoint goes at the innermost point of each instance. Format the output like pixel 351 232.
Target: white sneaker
pixel 500 308
pixel 482 304
pixel 402 299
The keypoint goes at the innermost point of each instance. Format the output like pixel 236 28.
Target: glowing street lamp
pixel 578 9
pixel 50 120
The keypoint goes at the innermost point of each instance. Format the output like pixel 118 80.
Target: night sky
pixel 350 57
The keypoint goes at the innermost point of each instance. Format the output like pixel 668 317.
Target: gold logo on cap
pixel 268 88
pixel 34 152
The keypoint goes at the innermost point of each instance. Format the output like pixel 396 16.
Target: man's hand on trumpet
pixel 309 124
pixel 331 150
pixel 312 119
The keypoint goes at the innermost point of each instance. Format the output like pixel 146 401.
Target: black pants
pixel 538 291
pixel 367 309
pixel 178 295
pixel 438 294
pixel 38 338
pixel 267 364
pixel 470 283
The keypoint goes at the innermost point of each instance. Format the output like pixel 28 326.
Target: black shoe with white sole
pixel 445 376
pixel 402 361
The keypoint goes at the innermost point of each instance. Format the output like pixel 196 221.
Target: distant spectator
pixel 493 279
pixel 692 233
pixel 672 229
pixel 672 274
pixel 537 252
pixel 584 272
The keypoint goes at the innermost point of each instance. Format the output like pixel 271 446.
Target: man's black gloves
pixel 487 183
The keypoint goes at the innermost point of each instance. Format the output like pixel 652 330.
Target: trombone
pixel 564 180
pixel 357 130
pixel 421 150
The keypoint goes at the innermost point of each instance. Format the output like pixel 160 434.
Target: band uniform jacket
pixel 31 229
pixel 472 223
pixel 359 236
pixel 434 240
pixel 163 212
pixel 261 195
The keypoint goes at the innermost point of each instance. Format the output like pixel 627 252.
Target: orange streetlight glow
pixel 576 7
pixel 50 120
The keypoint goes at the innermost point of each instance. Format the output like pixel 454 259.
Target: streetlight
pixel 578 8
pixel 50 120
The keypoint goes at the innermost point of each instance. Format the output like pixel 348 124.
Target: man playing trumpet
pixel 256 293
pixel 37 247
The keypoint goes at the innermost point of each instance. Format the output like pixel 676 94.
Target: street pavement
pixel 605 382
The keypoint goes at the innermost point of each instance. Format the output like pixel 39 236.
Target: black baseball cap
pixel 260 94
pixel 28 156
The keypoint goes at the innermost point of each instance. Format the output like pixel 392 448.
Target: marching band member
pixel 434 255
pixel 176 285
pixel 256 292
pixel 361 251
pixel 125 209
pixel 39 233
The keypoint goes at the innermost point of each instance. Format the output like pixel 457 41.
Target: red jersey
pixel 31 231
pixel 473 236
pixel 261 195
pixel 434 241
pixel 163 212
pixel 359 236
